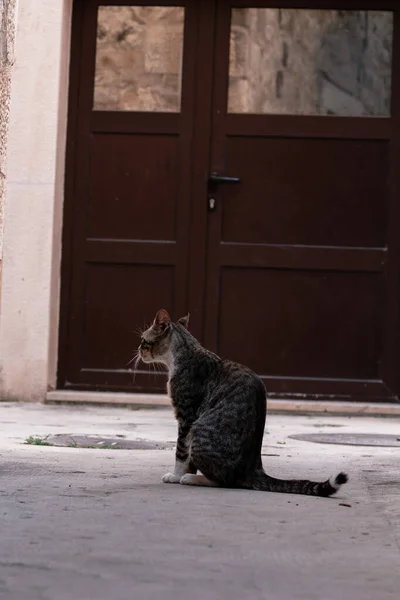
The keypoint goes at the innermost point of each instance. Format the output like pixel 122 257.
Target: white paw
pixel 188 479
pixel 171 478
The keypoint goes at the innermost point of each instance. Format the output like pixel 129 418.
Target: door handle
pixel 215 179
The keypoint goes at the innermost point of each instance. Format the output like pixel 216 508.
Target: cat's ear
pixel 161 320
pixel 185 321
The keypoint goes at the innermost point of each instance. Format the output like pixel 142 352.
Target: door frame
pixel 204 94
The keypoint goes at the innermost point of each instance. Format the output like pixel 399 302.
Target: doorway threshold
pixel 274 405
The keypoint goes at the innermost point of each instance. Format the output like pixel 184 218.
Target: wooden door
pixel 294 270
pixel 128 184
pixel 303 253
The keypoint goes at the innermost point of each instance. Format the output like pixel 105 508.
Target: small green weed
pixel 35 440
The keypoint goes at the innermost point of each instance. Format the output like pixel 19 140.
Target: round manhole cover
pixel 104 442
pixel 350 439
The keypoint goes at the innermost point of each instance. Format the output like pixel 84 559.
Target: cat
pixel 220 407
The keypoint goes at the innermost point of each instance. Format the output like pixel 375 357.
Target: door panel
pixel 100 329
pixel 299 251
pixel 325 327
pixel 128 201
pixel 107 303
pixel 129 207
pixel 323 192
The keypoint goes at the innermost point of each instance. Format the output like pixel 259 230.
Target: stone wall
pixel 311 62
pixel 138 58
pixel 7 39
pixel 281 60
pixel 34 200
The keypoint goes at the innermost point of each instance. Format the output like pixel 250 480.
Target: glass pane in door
pixel 310 62
pixel 139 58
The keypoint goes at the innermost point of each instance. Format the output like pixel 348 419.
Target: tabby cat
pixel 220 407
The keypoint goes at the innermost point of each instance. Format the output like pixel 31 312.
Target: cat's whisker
pixel 134 368
pixel 135 356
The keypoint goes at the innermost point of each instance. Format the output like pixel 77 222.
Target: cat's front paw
pixel 188 479
pixel 171 478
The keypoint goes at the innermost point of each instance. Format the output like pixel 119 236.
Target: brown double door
pixel 294 268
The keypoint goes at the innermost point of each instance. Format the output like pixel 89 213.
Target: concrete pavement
pixel 86 524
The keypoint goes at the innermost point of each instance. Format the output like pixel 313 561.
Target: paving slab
pixel 88 523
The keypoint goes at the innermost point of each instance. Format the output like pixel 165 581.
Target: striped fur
pixel 220 407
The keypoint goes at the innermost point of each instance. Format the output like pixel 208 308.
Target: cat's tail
pixel 262 481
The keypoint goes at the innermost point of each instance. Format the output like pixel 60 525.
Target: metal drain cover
pixel 104 442
pixel 350 439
